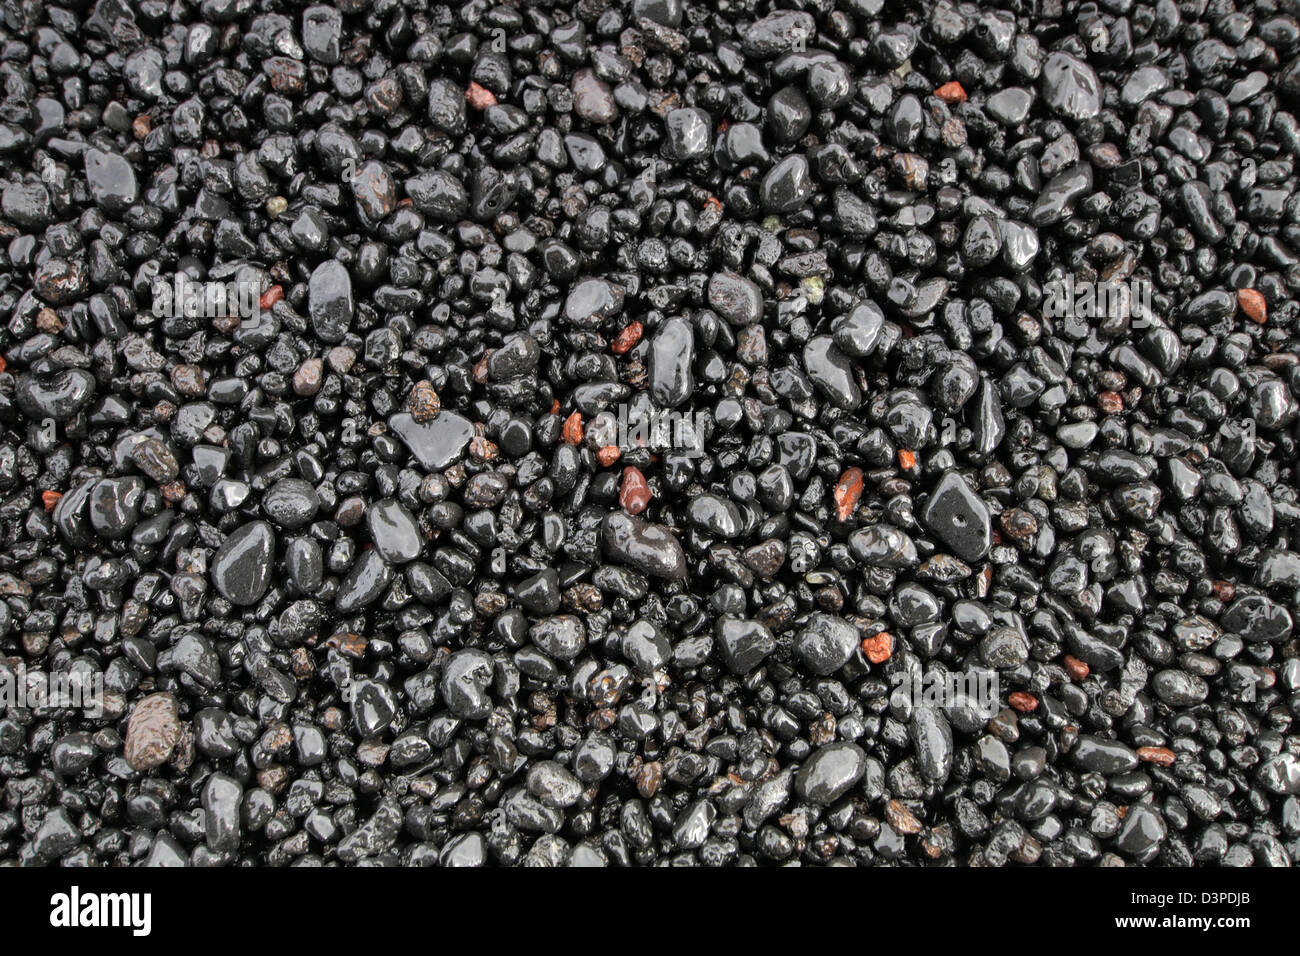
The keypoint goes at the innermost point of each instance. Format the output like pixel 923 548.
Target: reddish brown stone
pixel 573 429
pixel 878 648
pixel 1253 304
pixel 951 93
pixel 627 339
pixel 1023 701
pixel 480 97
pixel 847 493
pixel 423 402
pixel 1076 668
pixel 152 731
pixel 1157 755
pixel 634 496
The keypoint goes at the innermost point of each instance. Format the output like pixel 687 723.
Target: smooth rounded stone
pixel 649 548
pixel 859 332
pixel 646 647
pixel 222 800
pixel 1142 833
pixel 826 643
pixel 115 506
pixel 593 100
pixel 466 677
pixel 743 644
pixel 830 773
pixel 551 783
pixel 447 109
pixel 71 515
pixel 562 637
pixel 291 503
pixel 959 518
pixel 1077 435
pixel 911 604
pixel 437 443
pixel 374 707
pixel 789 114
pixel 672 355
pixel 1280 774
pixel 1020 244
pixel 1257 618
pixel 518 355
pixel 439 194
pixel 666 13
pixel 777 33
pixel 322 30
pixel 1057 199
pixel 464 850
pixel 111 179
pixel 884 546
pixel 1278 569
pixel 1070 87
pixel 831 372
pixel 787 185
pixel 715 515
pixel 932 743
pixel 1142 84
pixel 981 242
pixel 305 563
pixel 374 190
pixel 241 567
pixel 56 836
pixel 365 581
pixel 27 205
pixel 1107 757
pixel 1010 106
pixel 689 134
pixel 735 298
pixel 1179 688
pixel 152 731
pixel 591 302
pixel 329 301
pixel 395 534
pixel 73 753
pixel 57 397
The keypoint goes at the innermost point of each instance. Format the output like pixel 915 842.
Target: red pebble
pixel 635 495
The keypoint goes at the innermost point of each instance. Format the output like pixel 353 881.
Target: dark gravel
pixel 384 573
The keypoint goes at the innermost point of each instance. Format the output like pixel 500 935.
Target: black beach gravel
pixel 376 575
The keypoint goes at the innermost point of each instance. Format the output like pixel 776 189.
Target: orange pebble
pixel 906 459
pixel 50 499
pixel 634 495
pixel 480 97
pixel 608 455
pixel 1023 701
pixel 847 493
pixel 878 648
pixel 626 340
pixel 1253 304
pixel 1077 669
pixel 271 296
pixel 555 407
pixel 573 429
pixel 1157 755
pixel 951 93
